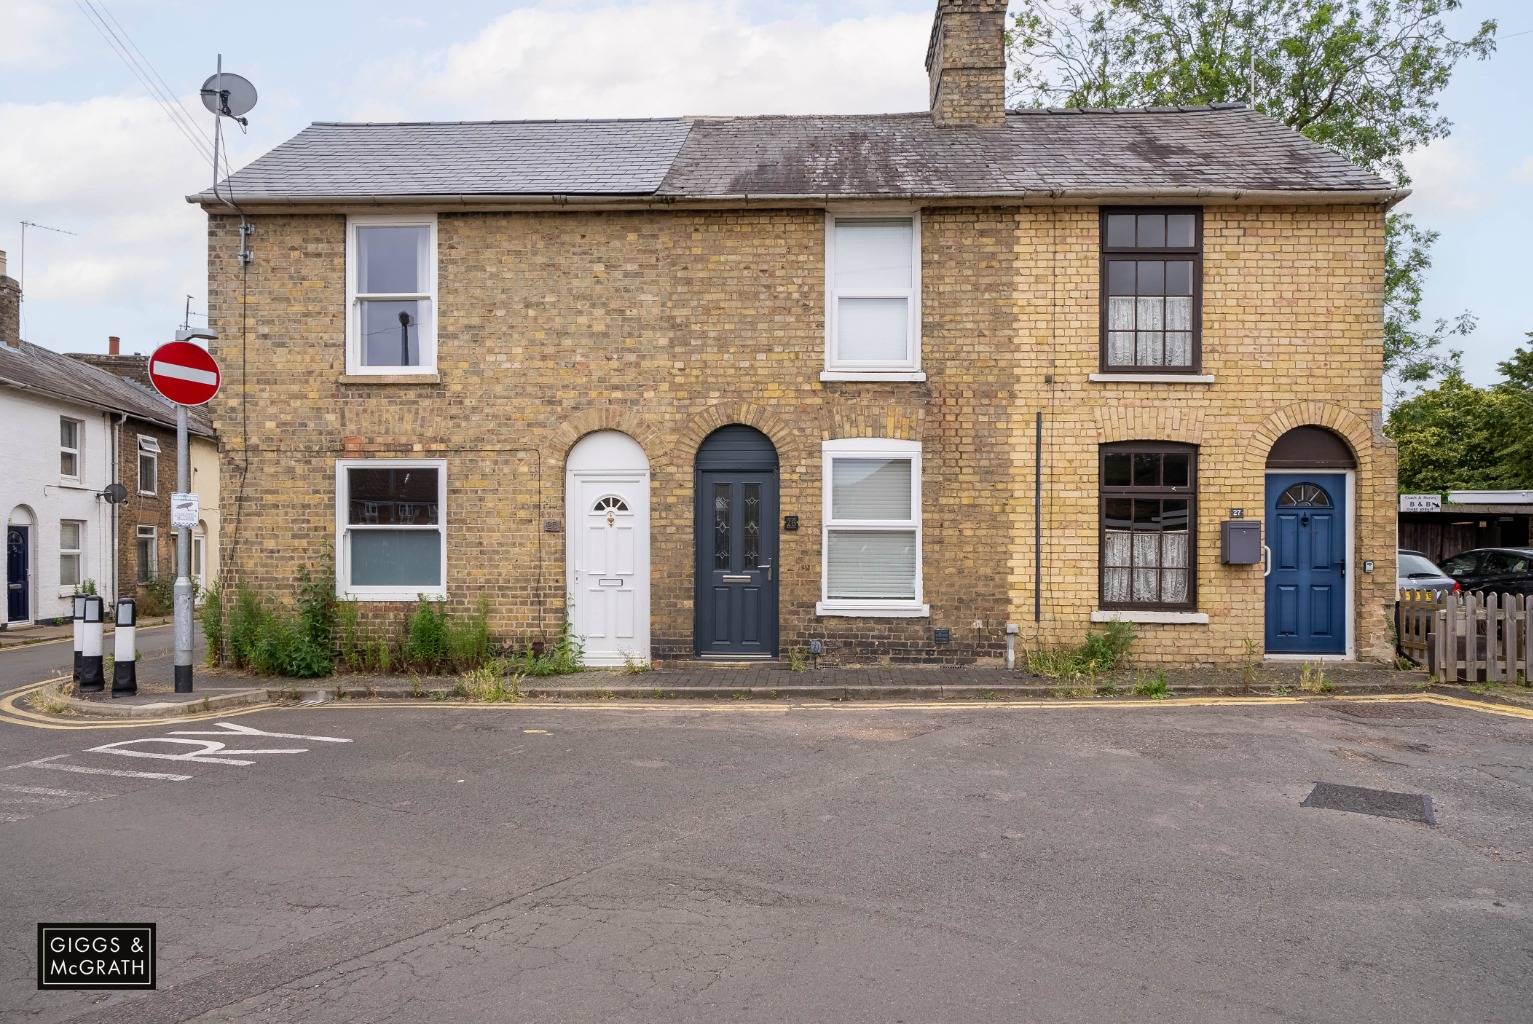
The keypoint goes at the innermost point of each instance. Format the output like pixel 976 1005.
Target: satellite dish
pixel 228 95
pixel 115 494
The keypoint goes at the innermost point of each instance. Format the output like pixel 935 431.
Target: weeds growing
pixel 1102 652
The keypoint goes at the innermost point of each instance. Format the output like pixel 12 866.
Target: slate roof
pixel 1166 150
pixel 42 371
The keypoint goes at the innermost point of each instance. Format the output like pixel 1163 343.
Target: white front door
pixel 607 523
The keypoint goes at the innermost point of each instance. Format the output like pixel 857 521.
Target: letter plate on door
pixel 735 579
pixel 610 583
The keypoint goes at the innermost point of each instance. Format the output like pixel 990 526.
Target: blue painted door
pixel 736 564
pixel 1307 568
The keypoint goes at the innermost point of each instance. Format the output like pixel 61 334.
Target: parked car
pixel 1493 570
pixel 1415 571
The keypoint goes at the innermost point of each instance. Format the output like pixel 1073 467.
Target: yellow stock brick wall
pixel 669 324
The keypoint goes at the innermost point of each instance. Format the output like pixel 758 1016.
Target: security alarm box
pixel 1240 541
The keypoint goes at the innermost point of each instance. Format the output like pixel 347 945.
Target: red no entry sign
pixel 184 373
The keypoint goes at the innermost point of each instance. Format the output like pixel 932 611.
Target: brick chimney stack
pixel 966 63
pixel 113 345
pixel 10 308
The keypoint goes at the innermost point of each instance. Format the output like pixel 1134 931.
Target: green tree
pixel 1514 396
pixel 1359 76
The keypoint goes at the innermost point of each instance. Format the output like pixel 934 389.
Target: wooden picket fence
pixel 1468 637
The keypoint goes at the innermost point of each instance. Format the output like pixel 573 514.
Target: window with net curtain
pixel 1148 517
pixel 872 523
pixel 873 294
pixel 393 284
pixel 1152 270
pixel 391 521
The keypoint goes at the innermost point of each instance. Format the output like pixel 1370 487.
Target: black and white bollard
pixel 92 680
pixel 79 610
pixel 125 650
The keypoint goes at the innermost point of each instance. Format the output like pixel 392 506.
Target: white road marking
pixel 51 764
pixel 40 790
pixel 245 730
pixel 202 756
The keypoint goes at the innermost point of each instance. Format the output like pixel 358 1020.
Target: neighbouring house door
pixel 607 494
pixel 18 574
pixel 1306 578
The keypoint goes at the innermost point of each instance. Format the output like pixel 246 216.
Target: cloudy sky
pixel 84 148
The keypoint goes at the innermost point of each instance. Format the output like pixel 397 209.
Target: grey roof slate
pixel 1139 151
pixel 471 157
pixel 43 371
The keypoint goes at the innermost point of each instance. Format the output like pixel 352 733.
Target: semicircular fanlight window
pixel 610 504
pixel 1304 496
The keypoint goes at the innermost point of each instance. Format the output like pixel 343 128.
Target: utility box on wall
pixel 1240 541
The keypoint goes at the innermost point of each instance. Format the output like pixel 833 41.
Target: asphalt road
pixel 752 862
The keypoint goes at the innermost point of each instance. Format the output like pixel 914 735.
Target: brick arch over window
pixel 610 418
pixel 1149 423
pixel 786 440
pixel 1350 427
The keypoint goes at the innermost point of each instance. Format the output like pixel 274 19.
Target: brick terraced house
pixel 730 386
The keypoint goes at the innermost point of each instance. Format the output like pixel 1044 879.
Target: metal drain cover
pixel 1379 802
pixel 1384 709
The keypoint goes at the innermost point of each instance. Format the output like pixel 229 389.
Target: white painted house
pixel 67 429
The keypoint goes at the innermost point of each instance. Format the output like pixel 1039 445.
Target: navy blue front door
pixel 18 563
pixel 1307 563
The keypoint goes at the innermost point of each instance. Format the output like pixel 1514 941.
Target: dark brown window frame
pixel 1108 253
pixel 1188 493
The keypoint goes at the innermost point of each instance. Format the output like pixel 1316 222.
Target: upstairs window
pixel 69 447
pixel 148 464
pixel 873 289
pixel 391 308
pixel 1152 288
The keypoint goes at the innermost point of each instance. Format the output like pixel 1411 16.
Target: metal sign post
pixel 183 590
pixel 187 375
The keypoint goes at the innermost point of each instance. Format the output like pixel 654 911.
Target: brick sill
pixel 1129 615
pixel 391 378
pixel 1151 378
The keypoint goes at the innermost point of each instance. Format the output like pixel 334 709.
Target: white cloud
pixel 1524 173
pixel 114 171
pixel 1445 180
pixel 34 33
pixel 659 58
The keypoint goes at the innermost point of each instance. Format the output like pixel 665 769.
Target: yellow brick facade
pixel 667 324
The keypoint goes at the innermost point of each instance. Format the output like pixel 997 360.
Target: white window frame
pixel 863 448
pixel 150 447
pixel 77 553
pixel 428 339
pixel 199 556
pixel 152 533
pixel 907 369
pixel 77 451
pixel 343 587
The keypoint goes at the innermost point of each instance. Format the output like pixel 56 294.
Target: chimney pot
pixel 113 345
pixel 966 63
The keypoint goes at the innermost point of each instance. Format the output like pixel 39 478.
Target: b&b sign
pixel 1421 503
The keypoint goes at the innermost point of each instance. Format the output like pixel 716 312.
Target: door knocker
pixel 610 517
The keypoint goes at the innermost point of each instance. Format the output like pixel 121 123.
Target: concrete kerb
pixel 194 703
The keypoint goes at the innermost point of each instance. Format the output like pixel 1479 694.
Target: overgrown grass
pixel 564 657
pixel 1103 651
